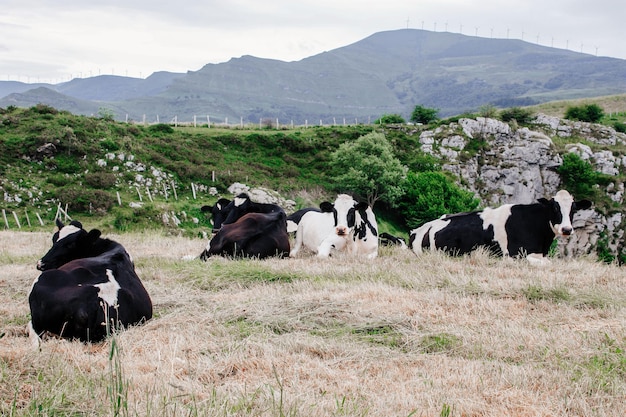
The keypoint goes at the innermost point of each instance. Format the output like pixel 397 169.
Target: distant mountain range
pixel 387 72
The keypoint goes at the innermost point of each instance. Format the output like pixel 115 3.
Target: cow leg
pixel 33 337
pixel 330 243
pixel 537 259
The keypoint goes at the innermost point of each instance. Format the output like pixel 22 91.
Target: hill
pixel 387 72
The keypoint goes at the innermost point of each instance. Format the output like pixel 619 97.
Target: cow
pixel 344 225
pixel 294 218
pixel 387 239
pixel 515 230
pixel 218 212
pixel 234 210
pixel 87 288
pixel 255 235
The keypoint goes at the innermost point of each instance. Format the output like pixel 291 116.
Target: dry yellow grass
pixel 396 336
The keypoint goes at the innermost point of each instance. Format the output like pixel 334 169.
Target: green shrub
pixel 389 119
pixel 161 128
pixel 66 164
pixel 577 175
pixel 424 115
pixel 520 115
pixel 429 195
pixel 619 127
pixel 591 113
pixel 80 199
pixel 101 180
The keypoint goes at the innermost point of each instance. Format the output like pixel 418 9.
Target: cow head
pixel 218 213
pixel 344 210
pixel 68 243
pixel 562 208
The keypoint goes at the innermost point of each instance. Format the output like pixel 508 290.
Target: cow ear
pixel 76 223
pixel 582 204
pixel 362 206
pixel 326 207
pixel 93 235
pixel 544 201
pixel 59 223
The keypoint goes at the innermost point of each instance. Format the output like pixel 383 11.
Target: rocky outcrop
pixel 502 163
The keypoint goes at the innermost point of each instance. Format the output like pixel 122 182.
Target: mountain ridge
pixel 386 72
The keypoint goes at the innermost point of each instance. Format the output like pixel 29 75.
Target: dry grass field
pixel 400 335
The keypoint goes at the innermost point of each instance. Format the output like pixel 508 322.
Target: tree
pixel 429 195
pixel 424 115
pixel 368 168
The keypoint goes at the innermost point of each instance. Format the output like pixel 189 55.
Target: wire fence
pixel 265 122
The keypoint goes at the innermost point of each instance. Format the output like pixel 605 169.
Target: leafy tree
pixel 390 118
pixel 424 115
pixel 591 113
pixel 429 195
pixel 369 168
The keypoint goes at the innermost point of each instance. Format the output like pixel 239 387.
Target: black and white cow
pixel 344 225
pixel 387 239
pixel 87 289
pixel 218 212
pixel 516 230
pixel 255 235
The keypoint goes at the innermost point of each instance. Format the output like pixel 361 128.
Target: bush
pixel 424 115
pixel 429 195
pixel 80 199
pixel 577 175
pixel 619 127
pixel 101 180
pixel 520 115
pixel 161 128
pixel 591 113
pixel 389 119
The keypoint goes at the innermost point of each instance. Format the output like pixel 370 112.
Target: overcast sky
pixel 54 41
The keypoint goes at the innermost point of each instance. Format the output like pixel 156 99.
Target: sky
pixel 55 41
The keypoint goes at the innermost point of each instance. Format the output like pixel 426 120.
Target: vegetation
pixel 429 195
pixel 424 115
pixel 591 113
pixel 579 177
pixel 369 168
pixel 390 119
pixel 399 335
pixel 520 115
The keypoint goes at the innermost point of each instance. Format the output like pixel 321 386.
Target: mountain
pixel 387 72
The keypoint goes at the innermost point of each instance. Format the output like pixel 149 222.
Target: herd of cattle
pixel 88 286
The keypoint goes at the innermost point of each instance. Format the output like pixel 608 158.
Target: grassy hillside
pixel 96 167
pixel 396 336
pixel 49 157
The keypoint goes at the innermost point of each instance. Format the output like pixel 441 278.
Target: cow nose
pixel 341 230
pixel 40 265
pixel 566 231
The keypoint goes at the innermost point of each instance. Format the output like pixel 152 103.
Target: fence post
pixel 19 226
pixel 174 190
pixel 39 217
pixel 6 222
pixel 27 218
